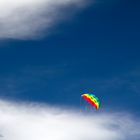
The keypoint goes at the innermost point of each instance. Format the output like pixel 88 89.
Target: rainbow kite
pixel 91 99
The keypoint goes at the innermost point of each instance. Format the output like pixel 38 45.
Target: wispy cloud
pixel 128 81
pixel 26 19
pixel 29 79
pixel 33 122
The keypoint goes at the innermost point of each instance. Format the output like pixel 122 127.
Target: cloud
pixel 28 19
pixel 33 122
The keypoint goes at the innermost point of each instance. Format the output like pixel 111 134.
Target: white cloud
pixel 24 19
pixel 38 122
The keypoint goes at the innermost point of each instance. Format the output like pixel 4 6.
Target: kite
pixel 91 99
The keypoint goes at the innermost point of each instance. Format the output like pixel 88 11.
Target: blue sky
pixel 53 53
pixel 95 51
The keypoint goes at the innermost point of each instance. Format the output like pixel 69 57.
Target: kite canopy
pixel 91 99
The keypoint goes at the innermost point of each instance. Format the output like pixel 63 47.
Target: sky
pixel 52 52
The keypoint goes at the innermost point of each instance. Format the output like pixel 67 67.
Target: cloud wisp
pixel 33 122
pixel 28 19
